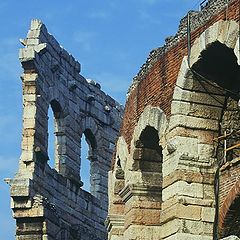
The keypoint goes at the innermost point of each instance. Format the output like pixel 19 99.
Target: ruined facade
pixel 50 203
pixel 175 169
pixel 175 174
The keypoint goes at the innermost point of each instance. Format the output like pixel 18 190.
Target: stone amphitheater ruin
pixel 167 167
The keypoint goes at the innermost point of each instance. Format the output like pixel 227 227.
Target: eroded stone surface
pixel 50 203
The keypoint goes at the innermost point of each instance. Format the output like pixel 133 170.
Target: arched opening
pixel 88 170
pixel 218 63
pixel 217 70
pixel 148 153
pixel 146 186
pixel 55 135
pixel 85 165
pixel 218 74
pixel 231 224
pixel 51 138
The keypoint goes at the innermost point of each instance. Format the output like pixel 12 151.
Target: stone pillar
pixel 115 219
pixel 142 212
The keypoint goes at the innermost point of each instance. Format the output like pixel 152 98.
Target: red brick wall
pixel 157 86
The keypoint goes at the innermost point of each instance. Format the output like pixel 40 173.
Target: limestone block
pixel 222 31
pixel 33 33
pixel 189 212
pixel 170 165
pixel 211 34
pixel 195 50
pixel 29 112
pixel 170 228
pixel 208 214
pixel 232 34
pixel 230 238
pixel 192 122
pixel 35 24
pixel 187 236
pixel 236 51
pixel 26 54
pixel 30 237
pixel 183 188
pixel 185 226
pixel 194 109
pixel 141 216
pixel 196 97
pixel 141 233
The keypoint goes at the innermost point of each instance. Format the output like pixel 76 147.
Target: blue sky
pixel 110 38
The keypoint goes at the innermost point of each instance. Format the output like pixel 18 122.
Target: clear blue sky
pixel 110 38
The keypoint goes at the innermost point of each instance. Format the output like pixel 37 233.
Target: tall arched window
pixel 55 135
pixel 88 171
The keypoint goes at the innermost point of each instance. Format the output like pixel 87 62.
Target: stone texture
pixel 50 203
pixel 188 112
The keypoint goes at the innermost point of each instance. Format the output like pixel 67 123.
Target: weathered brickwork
pixel 50 203
pixel 154 84
pixel 164 182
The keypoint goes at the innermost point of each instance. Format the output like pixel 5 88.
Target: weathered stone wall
pixel 174 199
pixel 49 203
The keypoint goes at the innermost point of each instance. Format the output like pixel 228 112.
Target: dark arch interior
pixel 232 220
pixel 218 63
pixel 56 107
pixel 90 138
pixel 149 139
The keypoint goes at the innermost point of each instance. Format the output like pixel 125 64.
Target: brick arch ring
pixel 233 194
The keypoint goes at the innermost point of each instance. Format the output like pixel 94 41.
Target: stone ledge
pixel 135 190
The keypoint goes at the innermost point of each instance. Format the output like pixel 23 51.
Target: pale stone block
pixel 196 110
pixel 192 122
pixel 212 33
pixel 222 31
pixel 187 236
pixel 32 41
pixel 181 79
pixel 208 214
pixel 29 112
pixel 196 97
pixel 202 42
pixel 141 233
pixel 170 228
pixel 195 51
pixel 35 24
pixel 183 188
pixel 232 237
pixel 26 54
pixel 181 211
pixel 236 51
pixel 170 165
pixel 232 34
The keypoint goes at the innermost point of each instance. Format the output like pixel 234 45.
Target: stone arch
pixel 226 32
pixel 59 134
pixel 154 118
pixel 55 95
pixel 99 163
pixel 197 104
pixel 196 111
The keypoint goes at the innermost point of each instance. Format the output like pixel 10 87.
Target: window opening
pixel 55 126
pixel 85 165
pixel 51 138
pixel 88 156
